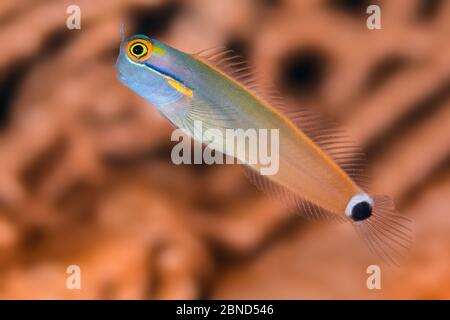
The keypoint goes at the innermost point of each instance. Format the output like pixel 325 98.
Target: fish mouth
pixel 120 75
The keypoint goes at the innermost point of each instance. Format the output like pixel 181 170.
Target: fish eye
pixel 139 50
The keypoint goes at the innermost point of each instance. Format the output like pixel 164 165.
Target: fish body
pixel 187 88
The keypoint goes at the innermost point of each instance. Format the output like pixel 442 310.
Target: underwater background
pixel 86 177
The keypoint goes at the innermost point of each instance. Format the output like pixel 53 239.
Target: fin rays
pixel 307 208
pixel 387 234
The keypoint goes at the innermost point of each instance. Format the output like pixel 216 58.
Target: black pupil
pixel 138 49
pixel 361 211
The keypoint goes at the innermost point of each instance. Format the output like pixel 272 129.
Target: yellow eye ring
pixel 139 49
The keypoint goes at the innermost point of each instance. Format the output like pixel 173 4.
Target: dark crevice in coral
pixel 271 3
pixel 428 9
pixel 9 86
pixel 13 76
pixel 351 7
pixel 225 260
pixel 436 174
pixel 34 236
pixel 154 23
pixel 422 109
pixel 33 175
pixel 303 71
pixel 383 71
pixel 238 46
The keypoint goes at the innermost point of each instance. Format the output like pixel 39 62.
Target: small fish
pixel 321 171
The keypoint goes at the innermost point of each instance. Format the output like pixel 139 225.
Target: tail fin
pixel 388 234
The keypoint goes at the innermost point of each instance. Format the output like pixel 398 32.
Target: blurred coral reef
pixel 86 176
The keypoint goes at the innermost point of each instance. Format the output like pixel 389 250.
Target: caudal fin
pixel 388 234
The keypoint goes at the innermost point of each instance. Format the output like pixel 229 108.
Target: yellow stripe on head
pixel 159 50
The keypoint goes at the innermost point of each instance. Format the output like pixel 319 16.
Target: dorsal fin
pixel 231 64
pixel 325 133
pixel 334 141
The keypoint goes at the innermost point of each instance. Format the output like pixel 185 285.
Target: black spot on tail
pixel 361 211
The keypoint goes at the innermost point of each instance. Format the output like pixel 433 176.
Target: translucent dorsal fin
pixel 231 64
pixel 345 151
pixel 325 133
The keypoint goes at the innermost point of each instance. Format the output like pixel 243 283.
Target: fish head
pixel 147 66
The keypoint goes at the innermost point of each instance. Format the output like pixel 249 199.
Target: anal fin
pixel 281 193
